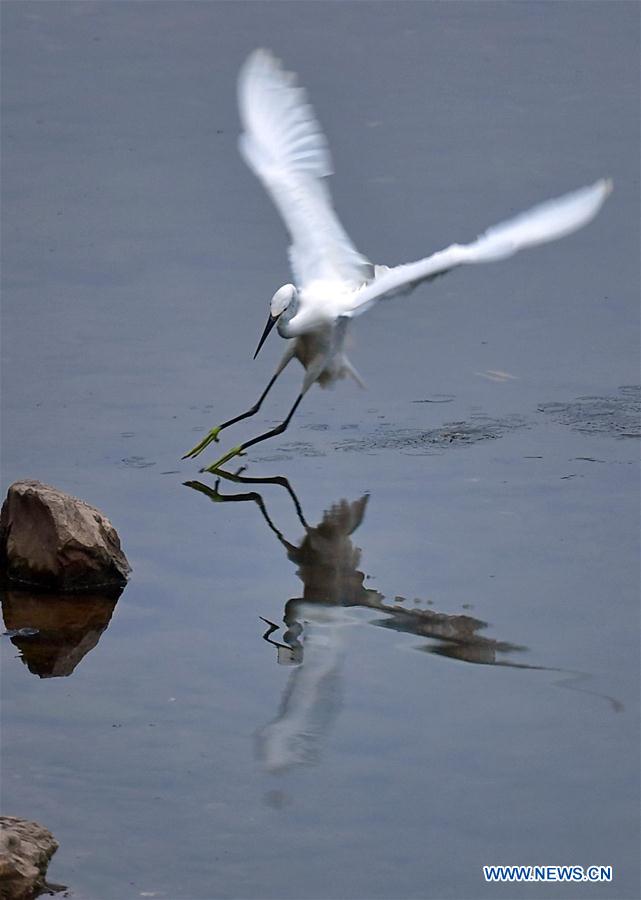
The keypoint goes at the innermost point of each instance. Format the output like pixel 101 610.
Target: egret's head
pixel 283 299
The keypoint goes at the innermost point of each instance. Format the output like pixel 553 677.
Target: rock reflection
pixel 53 632
pixel 314 638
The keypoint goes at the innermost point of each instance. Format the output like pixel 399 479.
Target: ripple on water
pixel 618 415
pixel 433 440
pixel 291 450
pixel 137 462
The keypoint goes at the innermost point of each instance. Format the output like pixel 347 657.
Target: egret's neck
pixel 286 316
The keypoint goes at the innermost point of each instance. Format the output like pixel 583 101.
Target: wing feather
pixel 546 222
pixel 285 147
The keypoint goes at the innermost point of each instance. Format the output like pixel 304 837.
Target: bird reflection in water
pixel 314 640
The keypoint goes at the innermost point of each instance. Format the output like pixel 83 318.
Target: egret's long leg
pixel 213 434
pixel 236 451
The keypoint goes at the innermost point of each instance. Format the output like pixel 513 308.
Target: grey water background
pixel 139 255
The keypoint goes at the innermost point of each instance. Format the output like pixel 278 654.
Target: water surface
pixel 420 654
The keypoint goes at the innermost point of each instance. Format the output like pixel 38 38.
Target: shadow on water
pixel 54 632
pixel 315 636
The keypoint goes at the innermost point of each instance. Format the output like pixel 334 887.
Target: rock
pixel 25 851
pixel 57 542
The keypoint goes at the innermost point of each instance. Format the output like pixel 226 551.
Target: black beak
pixel 270 324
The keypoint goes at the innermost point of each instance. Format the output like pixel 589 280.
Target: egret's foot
pixel 213 468
pixel 206 441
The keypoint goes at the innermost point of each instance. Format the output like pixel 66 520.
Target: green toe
pixel 235 451
pixel 206 441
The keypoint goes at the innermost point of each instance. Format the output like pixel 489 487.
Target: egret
pixel 285 147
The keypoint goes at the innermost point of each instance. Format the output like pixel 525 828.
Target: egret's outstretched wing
pixel 285 147
pixel 546 222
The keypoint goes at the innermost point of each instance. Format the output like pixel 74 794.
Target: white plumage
pixel 284 146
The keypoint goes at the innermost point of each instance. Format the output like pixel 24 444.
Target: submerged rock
pixel 25 851
pixel 57 542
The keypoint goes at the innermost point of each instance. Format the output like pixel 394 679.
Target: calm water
pixel 451 673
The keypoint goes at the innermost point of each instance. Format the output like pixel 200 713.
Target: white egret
pixel 284 146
